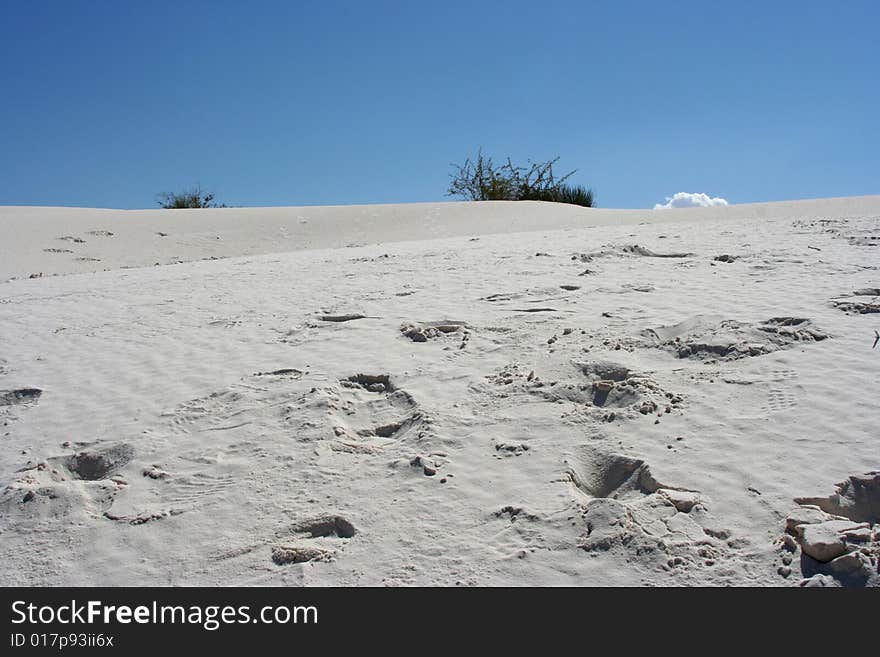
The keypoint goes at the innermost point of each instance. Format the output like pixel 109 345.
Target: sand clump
pixel 839 535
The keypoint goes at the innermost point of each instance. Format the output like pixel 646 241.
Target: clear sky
pixel 107 103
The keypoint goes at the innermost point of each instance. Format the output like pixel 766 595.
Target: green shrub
pixel 576 195
pixel 482 180
pixel 187 199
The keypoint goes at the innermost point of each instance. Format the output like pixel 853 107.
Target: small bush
pixel 187 199
pixel 482 180
pixel 576 195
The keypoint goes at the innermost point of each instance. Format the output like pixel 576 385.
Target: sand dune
pixel 76 240
pixel 443 394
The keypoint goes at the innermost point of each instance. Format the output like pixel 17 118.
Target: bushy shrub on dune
pixel 481 179
pixel 576 195
pixel 187 199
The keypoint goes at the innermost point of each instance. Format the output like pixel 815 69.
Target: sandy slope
pixel 553 406
pixel 51 241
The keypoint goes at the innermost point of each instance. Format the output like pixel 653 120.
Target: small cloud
pixel 689 200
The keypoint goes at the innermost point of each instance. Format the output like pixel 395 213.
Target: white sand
pixel 196 423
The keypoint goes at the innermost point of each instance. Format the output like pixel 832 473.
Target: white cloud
pixel 689 200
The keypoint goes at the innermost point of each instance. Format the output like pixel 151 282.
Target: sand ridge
pixel 40 241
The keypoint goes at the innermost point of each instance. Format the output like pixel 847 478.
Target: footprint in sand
pixel 783 375
pixel 78 486
pixel 94 463
pixel 514 532
pixel 368 411
pixel 861 302
pixel 315 539
pixel 19 396
pixel 103 480
pixel 779 399
pixel 432 330
pixel 222 410
pixel 159 493
pixel 624 508
pixel 707 337
pixel 597 387
pixel 504 449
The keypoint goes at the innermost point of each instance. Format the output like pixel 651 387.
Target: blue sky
pixel 105 104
